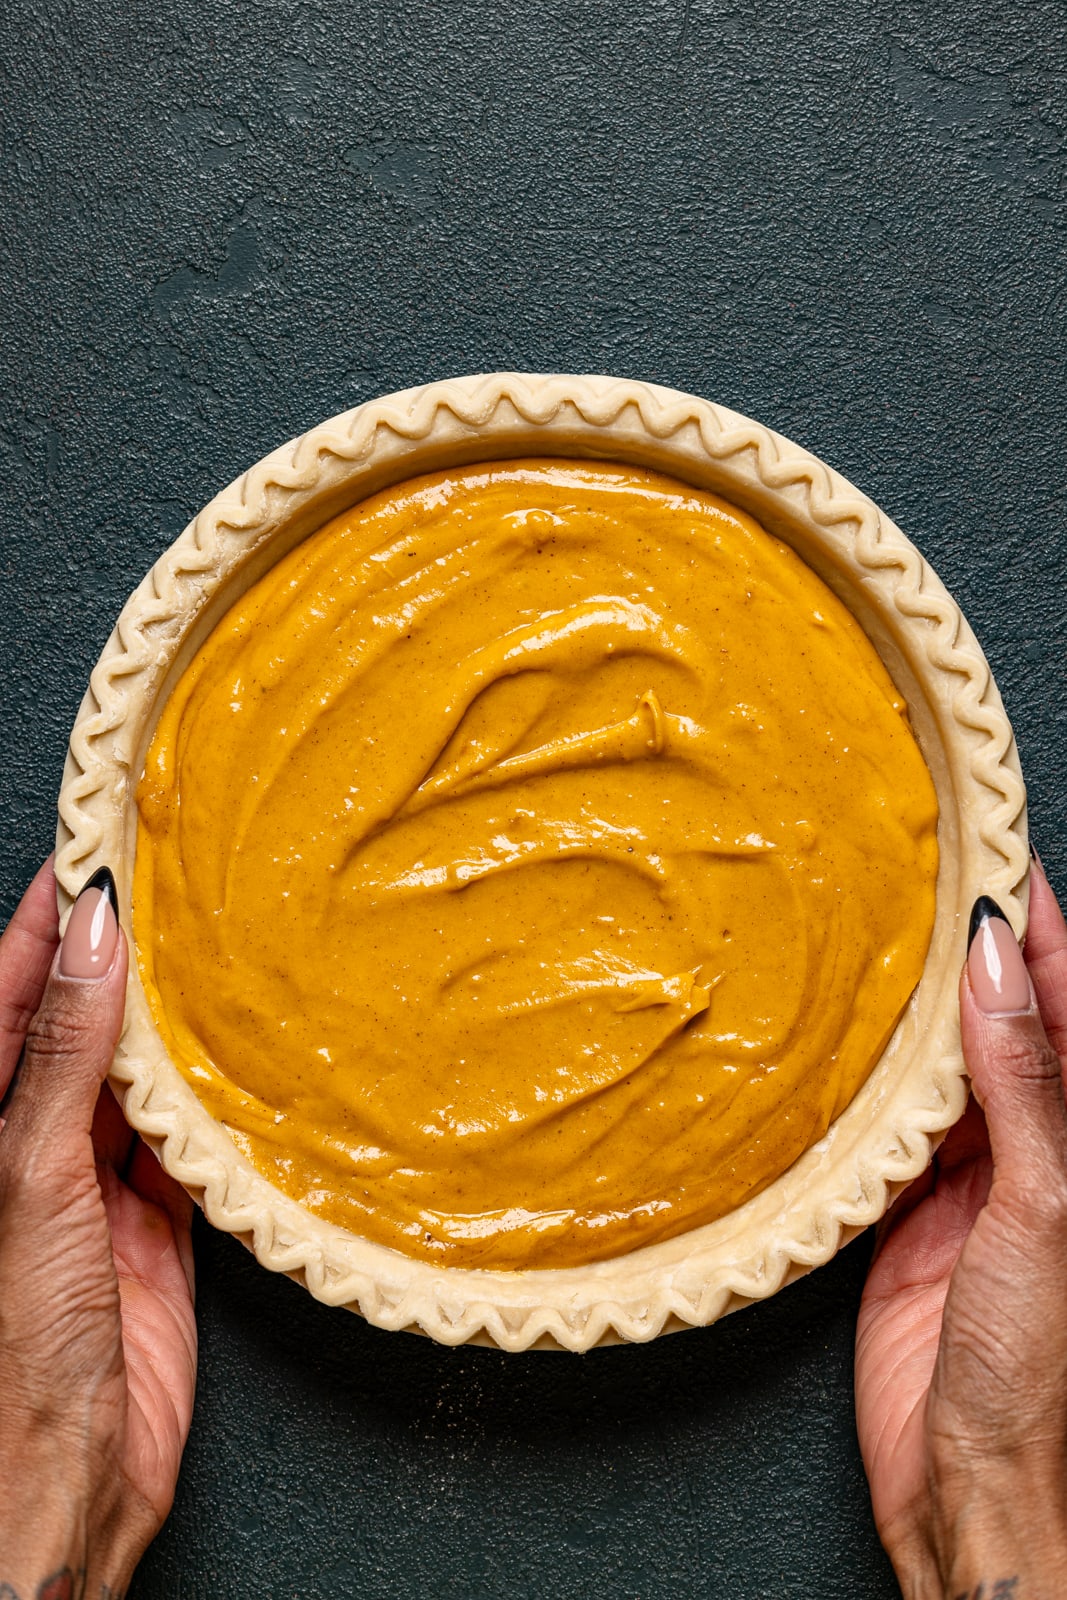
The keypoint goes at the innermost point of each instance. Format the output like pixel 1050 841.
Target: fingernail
pixel 93 930
pixel 1033 853
pixel 997 972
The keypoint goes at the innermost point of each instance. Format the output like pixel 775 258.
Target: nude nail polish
pixel 93 930
pixel 997 972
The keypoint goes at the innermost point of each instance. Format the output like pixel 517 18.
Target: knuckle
pixel 1051 1204
pixel 1050 1213
pixel 1028 1059
pixel 1057 1033
pixel 30 1406
pixel 39 1177
pixel 15 1019
pixel 1036 1199
pixel 55 1036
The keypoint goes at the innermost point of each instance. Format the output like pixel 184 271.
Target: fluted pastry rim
pixel 879 1143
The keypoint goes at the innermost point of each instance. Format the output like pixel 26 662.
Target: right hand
pixel 961 1353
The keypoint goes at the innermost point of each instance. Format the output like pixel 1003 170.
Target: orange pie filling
pixel 532 865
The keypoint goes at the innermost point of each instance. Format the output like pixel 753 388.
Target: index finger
pixel 1046 957
pixel 26 950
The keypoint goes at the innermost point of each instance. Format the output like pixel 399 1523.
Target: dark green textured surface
pixel 222 223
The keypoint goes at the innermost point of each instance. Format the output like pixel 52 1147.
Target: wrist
pixel 48 1571
pixel 1000 1554
pixel 43 1532
pixel 54 1547
pixel 1007 1546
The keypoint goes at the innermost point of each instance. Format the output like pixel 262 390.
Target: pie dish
pixel 884 1136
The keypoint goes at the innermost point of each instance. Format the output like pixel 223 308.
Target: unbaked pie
pixel 517 785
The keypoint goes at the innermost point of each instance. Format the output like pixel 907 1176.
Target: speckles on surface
pixel 715 1461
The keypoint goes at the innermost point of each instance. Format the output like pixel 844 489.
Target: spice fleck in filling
pixel 532 864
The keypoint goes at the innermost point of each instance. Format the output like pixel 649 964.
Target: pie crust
pixel 917 1089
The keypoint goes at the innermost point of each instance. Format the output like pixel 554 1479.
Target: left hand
pixel 97 1334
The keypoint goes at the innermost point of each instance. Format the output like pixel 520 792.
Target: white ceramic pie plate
pixel 918 1088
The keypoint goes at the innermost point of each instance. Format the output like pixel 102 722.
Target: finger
pixel 158 1327
pixel 71 1039
pixel 902 1207
pixel 148 1180
pixel 963 1149
pixel 112 1135
pixel 1046 956
pixel 1014 1069
pixel 26 950
pixel 966 1141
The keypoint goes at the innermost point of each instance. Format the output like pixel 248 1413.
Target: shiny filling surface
pixel 532 864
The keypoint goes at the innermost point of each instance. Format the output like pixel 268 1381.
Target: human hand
pixel 97 1334
pixel 961 1351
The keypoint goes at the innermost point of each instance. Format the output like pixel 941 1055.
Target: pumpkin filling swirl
pixel 532 864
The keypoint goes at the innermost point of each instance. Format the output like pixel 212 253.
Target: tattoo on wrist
pixel 998 1589
pixel 66 1584
pixel 62 1585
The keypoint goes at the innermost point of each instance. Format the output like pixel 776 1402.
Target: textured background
pixel 220 223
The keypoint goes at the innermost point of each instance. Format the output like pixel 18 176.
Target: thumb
pixel 71 1040
pixel 1015 1071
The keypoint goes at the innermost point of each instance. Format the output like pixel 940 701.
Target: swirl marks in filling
pixel 532 864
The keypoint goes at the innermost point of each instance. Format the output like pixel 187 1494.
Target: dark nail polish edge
pixel 985 908
pixel 105 882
